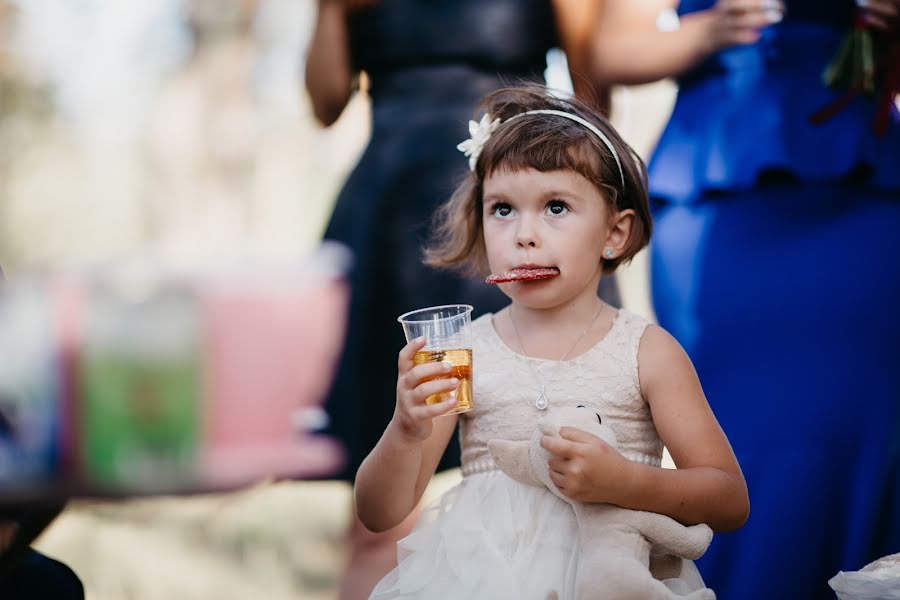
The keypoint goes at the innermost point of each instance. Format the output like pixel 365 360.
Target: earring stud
pixel 608 253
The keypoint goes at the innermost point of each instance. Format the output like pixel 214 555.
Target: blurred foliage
pixel 178 127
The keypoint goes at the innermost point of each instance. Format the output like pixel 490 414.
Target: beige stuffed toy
pixel 615 542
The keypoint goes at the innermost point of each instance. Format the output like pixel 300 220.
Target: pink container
pixel 270 349
pixel 238 359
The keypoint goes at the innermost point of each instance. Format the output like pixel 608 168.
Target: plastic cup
pixel 448 338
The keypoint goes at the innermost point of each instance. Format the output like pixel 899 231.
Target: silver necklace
pixel 542 402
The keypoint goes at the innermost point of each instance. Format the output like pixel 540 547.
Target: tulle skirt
pixel 494 538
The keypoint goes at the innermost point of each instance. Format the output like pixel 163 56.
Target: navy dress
pixel 776 263
pixel 429 64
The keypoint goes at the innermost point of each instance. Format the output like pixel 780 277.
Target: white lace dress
pixel 494 538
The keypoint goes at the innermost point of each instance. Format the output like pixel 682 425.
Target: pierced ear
pixel 619 234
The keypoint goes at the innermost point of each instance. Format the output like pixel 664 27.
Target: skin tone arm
pixel 329 77
pixel 575 20
pixel 629 49
pixel 708 486
pixel 391 480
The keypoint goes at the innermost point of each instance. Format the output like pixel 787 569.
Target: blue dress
pixel 429 63
pixel 776 263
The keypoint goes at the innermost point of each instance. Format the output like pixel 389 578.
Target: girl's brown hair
pixel 544 143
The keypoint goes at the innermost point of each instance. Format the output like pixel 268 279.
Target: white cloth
pixel 878 580
pixel 489 537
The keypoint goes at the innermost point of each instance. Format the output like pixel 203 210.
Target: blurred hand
pixel 415 383
pixel 584 467
pixel 883 15
pixel 740 22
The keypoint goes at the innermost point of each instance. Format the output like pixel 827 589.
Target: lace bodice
pixel 605 378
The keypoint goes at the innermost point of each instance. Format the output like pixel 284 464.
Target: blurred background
pixel 182 126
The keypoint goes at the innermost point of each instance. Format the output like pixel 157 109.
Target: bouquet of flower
pixel 865 63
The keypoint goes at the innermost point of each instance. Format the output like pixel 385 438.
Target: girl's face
pixel 553 219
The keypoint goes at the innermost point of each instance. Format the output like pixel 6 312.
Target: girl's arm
pixel 576 21
pixel 391 480
pixel 329 77
pixel 629 48
pixel 707 487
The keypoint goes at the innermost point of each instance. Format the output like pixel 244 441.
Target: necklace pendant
pixel 541 402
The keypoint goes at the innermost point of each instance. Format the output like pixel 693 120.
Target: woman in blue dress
pixel 428 63
pixel 776 263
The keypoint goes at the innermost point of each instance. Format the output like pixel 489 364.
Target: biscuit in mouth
pixel 523 275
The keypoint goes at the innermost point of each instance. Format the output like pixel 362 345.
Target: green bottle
pixel 140 389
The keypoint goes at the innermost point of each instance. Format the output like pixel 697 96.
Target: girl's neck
pixel 559 333
pixel 575 313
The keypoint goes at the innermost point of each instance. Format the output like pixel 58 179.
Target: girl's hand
pixel 412 417
pixel 584 467
pixel 738 22
pixel 883 15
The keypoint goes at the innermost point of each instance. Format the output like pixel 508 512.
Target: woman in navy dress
pixel 428 63
pixel 775 263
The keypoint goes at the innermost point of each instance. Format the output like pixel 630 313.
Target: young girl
pixel 556 200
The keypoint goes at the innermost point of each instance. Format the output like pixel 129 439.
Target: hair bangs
pixel 535 143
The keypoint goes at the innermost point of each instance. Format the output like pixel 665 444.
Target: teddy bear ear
pixel 512 458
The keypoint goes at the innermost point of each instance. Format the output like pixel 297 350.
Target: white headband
pixel 481 132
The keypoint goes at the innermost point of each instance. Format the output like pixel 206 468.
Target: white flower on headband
pixel 479 134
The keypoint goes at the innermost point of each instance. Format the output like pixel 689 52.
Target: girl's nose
pixel 526 236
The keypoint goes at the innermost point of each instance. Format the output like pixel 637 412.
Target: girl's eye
pixel 557 208
pixel 501 209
